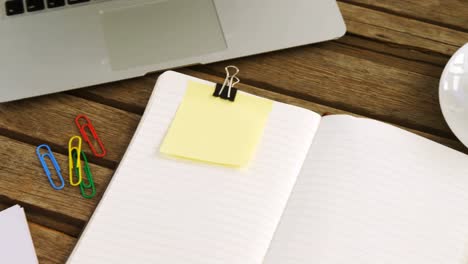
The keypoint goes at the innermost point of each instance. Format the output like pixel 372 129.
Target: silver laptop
pixel 47 46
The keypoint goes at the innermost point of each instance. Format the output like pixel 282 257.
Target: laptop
pixel 48 46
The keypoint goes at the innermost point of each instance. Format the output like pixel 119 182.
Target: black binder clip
pixel 226 90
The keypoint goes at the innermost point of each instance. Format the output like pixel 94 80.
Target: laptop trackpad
pixel 159 32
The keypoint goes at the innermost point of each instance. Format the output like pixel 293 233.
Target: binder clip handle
pixel 226 90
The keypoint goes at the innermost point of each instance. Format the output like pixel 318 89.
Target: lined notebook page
pixel 372 193
pixel 161 210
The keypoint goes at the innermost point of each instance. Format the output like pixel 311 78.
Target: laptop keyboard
pixel 17 7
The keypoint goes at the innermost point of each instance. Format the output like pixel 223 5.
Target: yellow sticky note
pixel 209 129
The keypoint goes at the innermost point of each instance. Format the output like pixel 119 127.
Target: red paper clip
pixel 85 137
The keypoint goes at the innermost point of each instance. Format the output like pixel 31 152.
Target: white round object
pixel 453 94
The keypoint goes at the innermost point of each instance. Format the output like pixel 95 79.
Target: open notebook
pixel 336 189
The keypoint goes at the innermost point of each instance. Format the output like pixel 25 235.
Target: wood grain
pixel 133 93
pixel 50 119
pixel 118 94
pixel 387 27
pixel 52 247
pixel 405 53
pixel 361 49
pixel 23 181
pixel 446 13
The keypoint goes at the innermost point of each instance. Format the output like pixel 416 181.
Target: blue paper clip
pixel 46 169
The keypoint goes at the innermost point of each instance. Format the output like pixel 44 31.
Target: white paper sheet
pixel 372 193
pixel 16 245
pixel 162 210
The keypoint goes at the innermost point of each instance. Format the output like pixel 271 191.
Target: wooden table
pixel 387 67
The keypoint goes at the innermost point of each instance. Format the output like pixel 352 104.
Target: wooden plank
pixel 405 53
pixel 134 93
pixel 346 80
pixel 448 13
pixel 360 49
pixel 50 119
pixel 23 181
pixel 52 247
pixel 119 94
pixel 382 26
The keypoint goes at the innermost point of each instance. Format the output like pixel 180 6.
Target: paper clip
pixel 54 163
pixel 91 129
pixel 230 81
pixel 83 186
pixel 71 164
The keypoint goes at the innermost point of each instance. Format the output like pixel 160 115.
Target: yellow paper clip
pixel 71 163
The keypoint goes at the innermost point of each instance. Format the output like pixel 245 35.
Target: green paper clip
pixel 89 177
